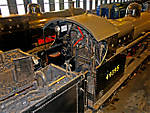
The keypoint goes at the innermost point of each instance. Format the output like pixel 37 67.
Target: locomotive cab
pixel 76 41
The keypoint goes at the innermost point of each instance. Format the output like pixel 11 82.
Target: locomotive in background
pixel 118 10
pixel 16 30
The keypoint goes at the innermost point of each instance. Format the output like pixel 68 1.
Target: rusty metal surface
pixel 16 73
pixel 21 87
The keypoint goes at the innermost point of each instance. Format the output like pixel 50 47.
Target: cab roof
pixel 100 27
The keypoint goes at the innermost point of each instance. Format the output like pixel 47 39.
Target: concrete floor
pixel 134 97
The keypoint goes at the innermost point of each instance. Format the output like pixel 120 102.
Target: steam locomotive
pixel 16 30
pixel 73 62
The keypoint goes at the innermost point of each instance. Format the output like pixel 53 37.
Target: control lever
pixel 68 67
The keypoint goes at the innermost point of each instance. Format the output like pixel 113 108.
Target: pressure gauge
pixel 57 29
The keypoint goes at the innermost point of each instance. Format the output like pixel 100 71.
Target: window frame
pixel 3 10
pixel 20 6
